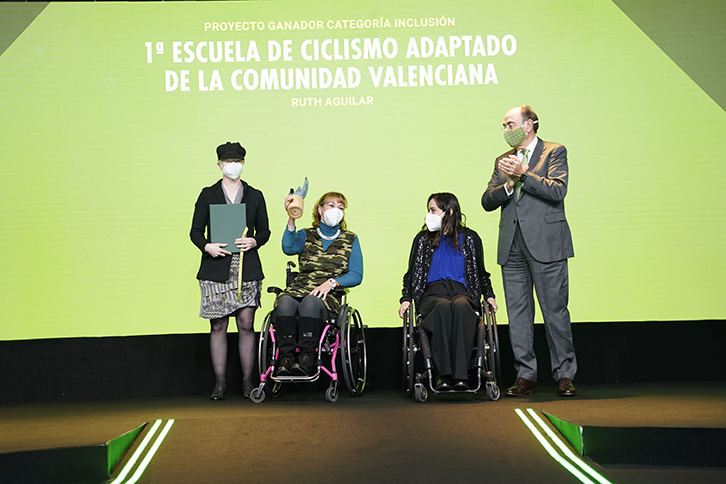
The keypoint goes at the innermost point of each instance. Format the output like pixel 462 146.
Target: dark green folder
pixel 227 222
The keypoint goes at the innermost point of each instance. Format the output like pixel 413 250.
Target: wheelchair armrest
pixel 337 290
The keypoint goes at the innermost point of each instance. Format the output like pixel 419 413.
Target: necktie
pixel 525 162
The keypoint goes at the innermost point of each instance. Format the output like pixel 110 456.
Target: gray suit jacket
pixel 540 211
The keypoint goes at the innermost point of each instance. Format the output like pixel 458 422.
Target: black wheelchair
pixel 343 335
pixel 484 367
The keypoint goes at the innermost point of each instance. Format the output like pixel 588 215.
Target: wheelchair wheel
pixel 493 392
pixel 353 350
pixel 331 394
pixel 421 392
pixel 266 357
pixel 492 336
pixel 257 396
pixel 497 353
pixel 408 352
pixel 489 356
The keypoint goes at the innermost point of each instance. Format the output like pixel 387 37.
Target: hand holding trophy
pixel 295 206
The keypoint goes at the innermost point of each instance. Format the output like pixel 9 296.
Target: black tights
pixel 309 307
pixel 301 321
pixel 218 347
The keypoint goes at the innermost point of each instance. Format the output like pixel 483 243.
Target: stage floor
pixel 381 437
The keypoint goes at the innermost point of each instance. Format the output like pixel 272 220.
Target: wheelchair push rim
pixel 353 350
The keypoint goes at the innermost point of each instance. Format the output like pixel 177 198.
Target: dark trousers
pixel 448 314
pixel 523 276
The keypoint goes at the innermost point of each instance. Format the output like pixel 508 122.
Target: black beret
pixel 231 151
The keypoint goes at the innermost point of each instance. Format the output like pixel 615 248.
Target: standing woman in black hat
pixel 218 273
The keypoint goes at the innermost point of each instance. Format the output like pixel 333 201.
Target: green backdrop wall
pixel 102 154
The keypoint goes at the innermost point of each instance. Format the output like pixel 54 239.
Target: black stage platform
pixel 381 437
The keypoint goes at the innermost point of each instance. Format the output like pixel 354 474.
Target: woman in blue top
pixel 329 255
pixel 446 279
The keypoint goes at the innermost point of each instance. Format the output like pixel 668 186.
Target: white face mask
pixel 433 222
pixel 232 170
pixel 333 216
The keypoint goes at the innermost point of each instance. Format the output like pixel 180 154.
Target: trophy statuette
pixel 295 207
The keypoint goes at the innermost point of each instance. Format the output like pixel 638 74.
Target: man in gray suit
pixel 529 183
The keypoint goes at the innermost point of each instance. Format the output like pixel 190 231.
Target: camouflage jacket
pixel 317 265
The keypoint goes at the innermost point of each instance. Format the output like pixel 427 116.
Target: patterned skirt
pixel 220 298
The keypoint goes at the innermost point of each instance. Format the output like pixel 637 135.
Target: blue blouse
pixel 448 262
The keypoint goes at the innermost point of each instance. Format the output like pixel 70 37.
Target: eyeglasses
pixel 512 125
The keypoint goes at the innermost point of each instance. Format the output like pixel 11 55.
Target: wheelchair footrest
pixel 295 378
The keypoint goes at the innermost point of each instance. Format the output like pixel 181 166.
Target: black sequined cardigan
pixel 419 265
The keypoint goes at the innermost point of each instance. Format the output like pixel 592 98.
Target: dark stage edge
pixel 382 436
pixel 90 463
pixel 657 446
pixel 72 369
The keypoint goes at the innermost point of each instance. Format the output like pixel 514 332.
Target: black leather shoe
pixel 217 395
pixel 283 367
pixel 461 385
pixel 521 387
pixel 442 385
pixel 565 388
pixel 302 367
pixel 247 388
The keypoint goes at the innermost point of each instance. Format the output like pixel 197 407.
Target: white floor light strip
pixel 566 450
pixel 130 464
pixel 551 450
pixel 150 454
pixel 152 451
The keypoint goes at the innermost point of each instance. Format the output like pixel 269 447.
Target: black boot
pixel 285 336
pixel 310 329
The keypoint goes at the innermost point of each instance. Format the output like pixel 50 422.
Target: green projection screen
pixel 111 113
